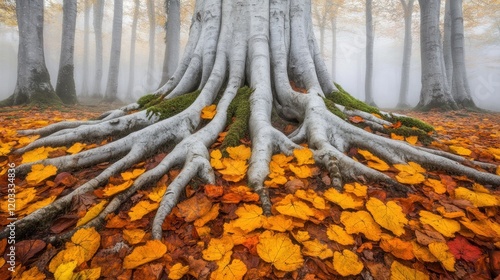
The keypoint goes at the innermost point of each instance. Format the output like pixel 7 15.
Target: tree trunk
pixel 405 70
pixel 133 38
pixel 114 59
pixel 334 47
pixel 152 29
pixel 33 80
pixel 172 39
pixel 322 39
pixel 461 91
pixel 86 30
pixel 369 54
pixel 98 18
pixel 448 61
pixel 268 46
pixel 65 87
pixel 435 91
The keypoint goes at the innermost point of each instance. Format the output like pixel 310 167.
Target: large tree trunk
pixel 133 38
pixel 460 89
pixel 114 58
pixel 369 54
pixel 269 46
pixel 435 91
pixel 405 70
pixel 172 39
pixel 448 61
pixel 98 18
pixel 334 47
pixel 65 87
pixel 152 35
pixel 86 31
pixel 33 80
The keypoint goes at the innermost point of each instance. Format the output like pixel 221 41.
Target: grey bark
pixel 114 59
pixel 86 29
pixel 405 71
pixel 65 87
pixel 334 47
pixel 448 61
pixel 33 80
pixel 98 17
pixel 172 39
pixel 460 90
pixel 369 54
pixel 152 28
pixel 133 38
pixel 435 91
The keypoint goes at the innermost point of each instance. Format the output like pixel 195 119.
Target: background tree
pixel 133 38
pixel 407 6
pixel 33 80
pixel 172 39
pixel 98 18
pixel 370 40
pixel 152 36
pixel 116 46
pixel 65 87
pixel 86 35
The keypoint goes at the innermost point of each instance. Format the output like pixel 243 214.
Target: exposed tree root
pixel 232 44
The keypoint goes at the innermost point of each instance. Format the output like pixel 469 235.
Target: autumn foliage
pixel 448 228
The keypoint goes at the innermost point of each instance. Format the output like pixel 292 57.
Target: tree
pixel 172 39
pixel 369 54
pixel 405 70
pixel 435 91
pixel 86 31
pixel 33 80
pixel 133 38
pixel 98 18
pixel 65 87
pixel 116 46
pixel 269 46
pixel 152 32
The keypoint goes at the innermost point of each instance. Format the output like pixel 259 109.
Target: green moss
pixel 171 107
pixel 411 122
pixel 238 114
pixel 144 100
pixel 406 131
pixel 345 99
pixel 330 105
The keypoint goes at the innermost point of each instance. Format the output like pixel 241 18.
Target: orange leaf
pixel 402 272
pixel 194 207
pixel 361 222
pixel 217 248
pixel 373 161
pixel 209 112
pixel 152 250
pixel 356 119
pixel 397 247
pixel 279 250
pixel 397 137
pixel 240 152
pixel 412 139
pixel 293 207
pixel 347 263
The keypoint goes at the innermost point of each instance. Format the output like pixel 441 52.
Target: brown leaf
pixel 26 249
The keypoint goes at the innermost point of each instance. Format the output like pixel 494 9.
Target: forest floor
pixel 449 228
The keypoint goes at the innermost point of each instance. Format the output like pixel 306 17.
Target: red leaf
pixel 462 249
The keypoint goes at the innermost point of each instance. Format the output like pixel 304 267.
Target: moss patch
pixel 345 99
pixel 170 107
pixel 145 100
pixel 238 115
pixel 330 105
pixel 411 122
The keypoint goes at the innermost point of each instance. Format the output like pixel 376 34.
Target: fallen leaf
pixel 177 271
pixel 397 247
pixel 303 156
pixel 142 208
pixel 194 207
pixel 240 152
pixel 412 139
pixel 460 150
pixel 293 207
pixel 111 189
pixel 462 249
pixel 339 235
pixel 93 212
pixel 442 253
pixel 209 216
pixel 315 248
pixel 390 216
pixel 152 250
pixel 88 274
pixel 133 236
pixel 39 173
pixel 215 159
pixel 76 148
pixel 278 223
pixel 373 161
pixel 130 175
pixel 229 271
pixel 356 188
pixel 208 112
pixel 437 185
pixel 479 199
pixel 302 172
pixel 422 253
pixel 250 217
pixel 344 200
pixel 356 119
pixel 347 263
pixel 65 271
pixel 37 154
pixel 217 248
pixel 361 222
pixel 446 227
pixel 397 137
pixel 402 272
pixel 278 250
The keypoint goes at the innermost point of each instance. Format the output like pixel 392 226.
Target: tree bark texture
pixel 405 70
pixel 133 38
pixel 86 31
pixel 114 58
pixel 152 36
pixel 98 18
pixel 172 39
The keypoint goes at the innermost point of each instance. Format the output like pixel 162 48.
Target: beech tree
pixel 267 46
pixel 86 31
pixel 133 38
pixel 116 46
pixel 98 18
pixel 172 39
pixel 152 33
pixel 33 79
pixel 370 40
pixel 407 6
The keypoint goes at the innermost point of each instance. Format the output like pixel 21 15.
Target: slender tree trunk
pixel 322 39
pixel 435 91
pixel 334 47
pixel 448 61
pixel 33 80
pixel 86 24
pixel 172 39
pixel 114 59
pixel 461 91
pixel 152 29
pixel 65 87
pixel 369 54
pixel 133 37
pixel 405 71
pixel 98 17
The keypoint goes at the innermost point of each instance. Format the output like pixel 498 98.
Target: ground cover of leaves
pixel 448 229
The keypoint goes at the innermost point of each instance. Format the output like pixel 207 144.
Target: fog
pixel 483 60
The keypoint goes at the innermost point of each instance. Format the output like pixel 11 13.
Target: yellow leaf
pixel 373 161
pixel 238 235
pixel 235 170
pixel 142 208
pixel 133 236
pixel 92 213
pixel 209 216
pixel 293 207
pixel 390 216
pixel 422 253
pixel 5 148
pixel 310 195
pixel 412 139
pixel 32 274
pixel 484 228
pixel 157 193
pixel 437 185
pixel 217 248
pixel 444 226
pixel 88 274
pixel 194 207
pixel 249 217
pixel 39 172
pixel 442 253
pixel 76 148
pixel 35 206
pixel 397 137
pixel 339 235
pixel 356 188
pixel 281 160
pixel 208 112
pixel 301 236
pixel 37 154
pixel 23 198
pixel 215 159
pixel 71 254
pixel 411 179
pixel 303 156
pixel 278 250
pixel 315 248
pixel 479 199
pixel 278 223
pixel 450 215
pixel 361 222
pixel 397 247
pixel 347 263
pixel 130 175
pixel 152 250
pixel 226 271
pixel 302 172
pixel 64 271
pixel 460 150
pixel 111 190
pixel 177 271
pixel 411 167
pixel 240 152
pixel 402 272
pixel 88 239
pixel 344 200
